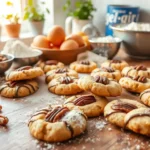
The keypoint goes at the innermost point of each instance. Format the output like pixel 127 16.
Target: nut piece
pixel 100 79
pixel 51 62
pixel 24 68
pixel 108 69
pixel 61 70
pixel 140 79
pixel 115 61
pixel 85 62
pixel 56 114
pixel 84 100
pixel 123 107
pixel 140 67
pixel 3 120
pixel 66 80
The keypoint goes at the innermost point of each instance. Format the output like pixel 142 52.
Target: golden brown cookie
pixel 115 64
pixel 137 84
pixel 64 86
pixel 138 120
pixel 134 71
pixel 50 65
pixel 90 104
pixel 145 97
pixel 107 72
pixel 116 110
pixel 61 72
pixel 16 89
pixel 84 66
pixel 99 85
pixel 57 124
pixel 23 73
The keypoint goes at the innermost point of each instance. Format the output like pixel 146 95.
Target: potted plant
pixel 11 22
pixel 35 15
pixel 79 16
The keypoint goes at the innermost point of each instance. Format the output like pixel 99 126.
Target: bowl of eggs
pixel 56 45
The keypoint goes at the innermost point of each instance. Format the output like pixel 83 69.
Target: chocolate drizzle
pixel 51 62
pixel 108 69
pixel 61 70
pixel 141 79
pixel 24 68
pixel 66 80
pixel 70 128
pixel 85 62
pixel 144 92
pixel 140 67
pixel 84 100
pixel 100 79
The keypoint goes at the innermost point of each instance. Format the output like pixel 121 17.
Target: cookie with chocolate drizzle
pixel 84 66
pixel 64 85
pixel 60 72
pixel 116 110
pixel 50 65
pixel 16 89
pixel 145 97
pixel 60 120
pixel 100 85
pixel 90 104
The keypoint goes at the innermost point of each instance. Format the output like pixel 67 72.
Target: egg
pixel 86 41
pixel 69 45
pixel 77 38
pixel 56 35
pixel 41 41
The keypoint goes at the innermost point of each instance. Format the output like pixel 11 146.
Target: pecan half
pixel 56 114
pixel 123 107
pixel 115 61
pixel 14 83
pixel 84 100
pixel 66 80
pixel 51 62
pixel 24 68
pixel 140 79
pixel 100 79
pixel 85 62
pixel 140 67
pixel 3 120
pixel 61 70
pixel 108 69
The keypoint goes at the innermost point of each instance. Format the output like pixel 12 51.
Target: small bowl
pixel 27 61
pixel 65 56
pixel 107 49
pixel 5 65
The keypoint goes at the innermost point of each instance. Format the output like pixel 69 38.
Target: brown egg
pixel 77 38
pixel 56 35
pixel 41 41
pixel 69 45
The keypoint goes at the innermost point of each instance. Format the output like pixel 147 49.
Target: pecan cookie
pixel 23 73
pixel 145 97
pixel 115 64
pixel 16 89
pixel 61 72
pixel 99 85
pixel 64 86
pixel 116 110
pixel 134 71
pixel 57 124
pixel 138 120
pixel 90 104
pixel 84 66
pixel 107 72
pixel 50 65
pixel 135 84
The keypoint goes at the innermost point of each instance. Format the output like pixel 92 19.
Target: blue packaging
pixel 120 14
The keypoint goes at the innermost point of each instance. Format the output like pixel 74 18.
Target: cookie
pixel 23 73
pixel 115 64
pixel 137 84
pixel 57 124
pixel 64 86
pixel 138 120
pixel 90 104
pixel 83 66
pixel 145 97
pixel 61 72
pixel 50 65
pixel 16 89
pixel 107 72
pixel 100 86
pixel 116 110
pixel 134 71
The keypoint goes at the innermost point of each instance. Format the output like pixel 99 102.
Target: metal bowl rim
pixel 9 60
